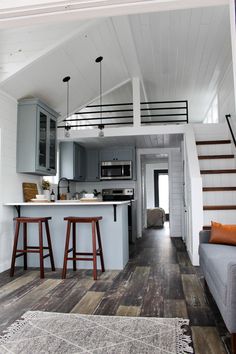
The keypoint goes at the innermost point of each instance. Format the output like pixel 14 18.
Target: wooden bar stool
pixel 32 249
pixel 94 221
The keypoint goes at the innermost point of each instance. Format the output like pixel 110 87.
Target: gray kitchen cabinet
pixel 36 138
pixel 117 153
pixel 72 161
pixel 92 166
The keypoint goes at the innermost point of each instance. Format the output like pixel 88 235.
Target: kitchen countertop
pixel 113 227
pixel 68 202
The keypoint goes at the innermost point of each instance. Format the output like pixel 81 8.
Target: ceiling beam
pixel 128 49
pixel 27 12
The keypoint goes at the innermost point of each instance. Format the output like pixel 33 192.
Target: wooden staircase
pixel 219 183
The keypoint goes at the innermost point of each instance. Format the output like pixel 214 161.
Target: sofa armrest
pixel 204 236
pixel 231 297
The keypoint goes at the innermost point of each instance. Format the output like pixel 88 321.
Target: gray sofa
pixel 218 263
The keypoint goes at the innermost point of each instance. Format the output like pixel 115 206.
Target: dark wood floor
pixel 159 280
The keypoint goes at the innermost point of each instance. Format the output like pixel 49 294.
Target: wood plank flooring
pixel 159 280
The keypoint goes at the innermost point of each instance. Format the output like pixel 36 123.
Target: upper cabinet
pixel 36 138
pixel 72 161
pixel 120 154
pixel 92 166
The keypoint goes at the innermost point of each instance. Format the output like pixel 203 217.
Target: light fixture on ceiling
pixel 67 126
pixel 100 126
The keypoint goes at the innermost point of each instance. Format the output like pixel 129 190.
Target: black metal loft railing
pixel 228 116
pixel 116 114
pixel 164 112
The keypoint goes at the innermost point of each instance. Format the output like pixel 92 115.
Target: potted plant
pixel 46 188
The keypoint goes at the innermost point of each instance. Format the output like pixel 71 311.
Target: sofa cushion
pixel 223 234
pixel 216 259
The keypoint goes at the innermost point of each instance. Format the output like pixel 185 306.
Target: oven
pixel 122 194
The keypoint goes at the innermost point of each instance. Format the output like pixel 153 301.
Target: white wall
pixel 233 41
pixel 176 192
pixel 11 182
pixel 226 100
pixel 149 184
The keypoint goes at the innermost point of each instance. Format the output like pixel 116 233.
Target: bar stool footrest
pixel 46 255
pixel 79 259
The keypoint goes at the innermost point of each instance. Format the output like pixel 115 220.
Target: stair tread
pixel 232 170
pixel 218 189
pixel 212 142
pixel 215 157
pixel 219 207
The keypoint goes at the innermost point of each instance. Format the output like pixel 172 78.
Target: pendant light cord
pixel 99 60
pixel 67 106
pixel 101 92
pixel 67 79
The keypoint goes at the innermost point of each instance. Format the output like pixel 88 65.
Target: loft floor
pixel 159 280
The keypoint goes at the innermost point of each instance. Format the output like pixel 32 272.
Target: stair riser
pixel 223 216
pixel 216 164
pixel 219 198
pixel 214 149
pixel 228 180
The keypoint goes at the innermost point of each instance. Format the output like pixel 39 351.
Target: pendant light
pixel 67 126
pixel 100 126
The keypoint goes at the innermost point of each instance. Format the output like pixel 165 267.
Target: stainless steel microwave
pixel 116 170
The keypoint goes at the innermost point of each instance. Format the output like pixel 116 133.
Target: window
pixel 212 114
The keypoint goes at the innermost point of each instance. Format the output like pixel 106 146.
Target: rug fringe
pixel 12 330
pixel 184 344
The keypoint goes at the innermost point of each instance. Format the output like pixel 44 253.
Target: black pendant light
pixel 67 126
pixel 100 126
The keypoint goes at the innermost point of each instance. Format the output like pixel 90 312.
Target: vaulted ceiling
pixel 177 55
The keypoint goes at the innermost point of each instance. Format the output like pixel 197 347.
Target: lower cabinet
pixel 72 161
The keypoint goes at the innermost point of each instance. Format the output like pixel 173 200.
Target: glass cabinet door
pixel 42 159
pixel 52 144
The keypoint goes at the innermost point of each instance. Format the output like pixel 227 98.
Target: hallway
pixel 159 280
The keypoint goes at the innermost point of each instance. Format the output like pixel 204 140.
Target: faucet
pixel 58 186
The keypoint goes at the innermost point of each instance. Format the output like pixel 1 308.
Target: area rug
pixel 49 332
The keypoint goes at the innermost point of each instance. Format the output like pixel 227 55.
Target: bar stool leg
pixel 66 249
pixel 41 249
pixel 25 244
pixel 100 246
pixel 49 245
pixel 94 251
pixel 74 245
pixel 13 260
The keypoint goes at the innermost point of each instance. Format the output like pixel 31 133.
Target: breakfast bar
pixel 113 226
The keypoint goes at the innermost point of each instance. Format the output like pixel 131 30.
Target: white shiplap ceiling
pixel 160 141
pixel 177 55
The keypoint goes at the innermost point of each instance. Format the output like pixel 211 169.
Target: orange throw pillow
pixel 225 234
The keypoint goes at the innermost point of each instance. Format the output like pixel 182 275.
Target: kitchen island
pixel 113 226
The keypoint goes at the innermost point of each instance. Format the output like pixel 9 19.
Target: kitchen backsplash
pixel 90 186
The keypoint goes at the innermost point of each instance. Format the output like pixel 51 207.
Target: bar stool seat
pixel 32 249
pixel 82 256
